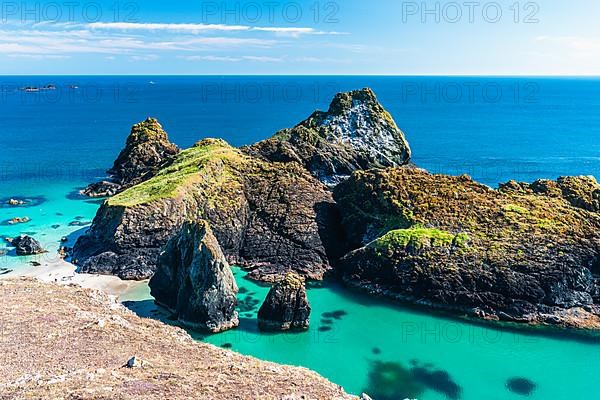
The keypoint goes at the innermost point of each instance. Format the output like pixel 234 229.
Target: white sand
pixel 62 272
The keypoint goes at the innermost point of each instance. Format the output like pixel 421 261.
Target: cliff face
pixel 519 254
pixel 269 217
pixel 195 281
pixel 356 133
pixel 73 343
pixel 146 150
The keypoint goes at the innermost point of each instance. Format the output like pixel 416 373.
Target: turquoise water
pixel 393 352
pixel 52 211
pixel 52 147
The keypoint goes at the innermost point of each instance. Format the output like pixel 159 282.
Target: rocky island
pixel 337 196
pixel 286 306
pixel 146 150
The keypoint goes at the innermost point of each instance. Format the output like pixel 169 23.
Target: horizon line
pixel 326 75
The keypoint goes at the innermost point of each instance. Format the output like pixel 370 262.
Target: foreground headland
pixel 60 340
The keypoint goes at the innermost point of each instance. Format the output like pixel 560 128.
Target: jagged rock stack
pixel 27 246
pixel 286 306
pixel 147 149
pixel 195 281
pixel 356 133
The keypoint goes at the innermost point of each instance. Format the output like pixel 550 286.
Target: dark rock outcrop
pixel 514 254
pixel 286 306
pixel 102 189
pixel 268 217
pixel 195 281
pixel 27 246
pixel 356 133
pixel 146 150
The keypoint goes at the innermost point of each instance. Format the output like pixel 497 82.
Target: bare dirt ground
pixel 66 342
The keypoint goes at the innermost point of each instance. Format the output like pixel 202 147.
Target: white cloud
pixel 576 43
pixel 263 59
pixel 146 57
pixel 203 28
pixel 192 28
pixel 39 56
pixel 211 58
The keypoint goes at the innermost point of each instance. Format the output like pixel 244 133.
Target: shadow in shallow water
pixel 392 381
pixel 522 386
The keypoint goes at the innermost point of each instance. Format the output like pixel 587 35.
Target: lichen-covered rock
pixel 146 150
pixel 580 191
pixel 269 217
pixel 27 246
pixel 286 306
pixel 355 133
pixel 195 281
pixel 518 254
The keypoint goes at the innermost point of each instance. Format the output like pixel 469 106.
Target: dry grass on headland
pixel 66 342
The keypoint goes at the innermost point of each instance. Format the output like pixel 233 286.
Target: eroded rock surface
pixel 269 217
pixel 286 306
pixel 356 133
pixel 517 255
pixel 146 150
pixel 195 281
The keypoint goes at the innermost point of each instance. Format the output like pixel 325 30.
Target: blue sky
pixel 548 37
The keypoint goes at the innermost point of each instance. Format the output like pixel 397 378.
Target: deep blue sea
pixel 53 142
pixel 494 129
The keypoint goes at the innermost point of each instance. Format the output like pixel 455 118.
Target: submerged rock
pixel 18 220
pixel 195 281
pixel 146 150
pixel 27 246
pixel 355 133
pixel 16 202
pixel 521 386
pixel 520 254
pixel 286 306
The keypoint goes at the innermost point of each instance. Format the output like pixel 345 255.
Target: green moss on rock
pixel 418 237
pixel 209 156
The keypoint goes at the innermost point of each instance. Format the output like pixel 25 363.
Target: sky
pixel 301 37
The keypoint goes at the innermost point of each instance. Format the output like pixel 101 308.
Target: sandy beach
pixel 62 272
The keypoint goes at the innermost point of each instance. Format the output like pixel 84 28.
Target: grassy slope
pixel 210 156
